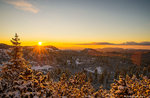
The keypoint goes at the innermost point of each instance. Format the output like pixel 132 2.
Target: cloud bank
pixel 125 43
pixel 23 5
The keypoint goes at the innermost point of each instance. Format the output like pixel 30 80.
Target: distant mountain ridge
pixel 111 49
pixel 124 43
pixel 4 46
pixel 86 50
pixel 91 51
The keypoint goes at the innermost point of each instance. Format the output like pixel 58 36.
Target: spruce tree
pixel 95 74
pixel 17 64
pixel 90 77
pixel 101 78
pixel 18 79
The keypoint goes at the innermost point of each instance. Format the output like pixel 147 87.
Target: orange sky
pixel 66 23
pixel 75 46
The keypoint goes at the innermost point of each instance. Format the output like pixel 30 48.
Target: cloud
pixel 23 5
pixel 135 43
pixel 103 43
pixel 125 43
pixel 97 43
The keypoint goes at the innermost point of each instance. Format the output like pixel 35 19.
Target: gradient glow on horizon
pixel 74 21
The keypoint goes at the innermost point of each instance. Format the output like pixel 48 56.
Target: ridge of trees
pixel 18 80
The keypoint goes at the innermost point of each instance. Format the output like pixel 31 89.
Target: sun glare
pixel 39 43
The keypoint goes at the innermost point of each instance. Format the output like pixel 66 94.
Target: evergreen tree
pixel 20 81
pixel 144 71
pixel 101 78
pixel 17 64
pixel 49 76
pixel 90 77
pixel 119 88
pixel 95 74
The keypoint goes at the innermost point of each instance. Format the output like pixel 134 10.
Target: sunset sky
pixel 71 22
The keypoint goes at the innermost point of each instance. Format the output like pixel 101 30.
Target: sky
pixel 71 22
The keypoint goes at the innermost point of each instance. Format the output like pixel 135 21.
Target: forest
pixel 19 80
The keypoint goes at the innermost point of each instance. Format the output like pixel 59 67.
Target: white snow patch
pixel 99 70
pixel 47 67
pixel 89 70
pixel 68 62
pixel 78 61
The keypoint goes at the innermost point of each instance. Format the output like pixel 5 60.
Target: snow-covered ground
pixel 68 62
pixel 89 70
pixel 99 70
pixel 78 61
pixel 45 67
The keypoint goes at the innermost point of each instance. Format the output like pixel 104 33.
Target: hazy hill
pixel 111 50
pixel 90 51
pixel 4 46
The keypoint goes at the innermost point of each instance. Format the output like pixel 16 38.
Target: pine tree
pixel 49 76
pixel 17 64
pixel 101 78
pixel 90 78
pixel 119 88
pixel 95 73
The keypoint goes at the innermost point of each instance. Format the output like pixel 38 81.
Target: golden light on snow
pixel 39 43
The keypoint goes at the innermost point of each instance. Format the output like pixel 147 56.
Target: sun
pixel 39 43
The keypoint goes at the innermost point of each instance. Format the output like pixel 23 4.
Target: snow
pixel 68 62
pixel 35 96
pixel 7 62
pixel 41 67
pixel 99 70
pixel 89 70
pixel 77 61
pixel 17 94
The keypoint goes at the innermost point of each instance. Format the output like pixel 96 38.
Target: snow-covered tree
pixel 18 80
pixel 17 63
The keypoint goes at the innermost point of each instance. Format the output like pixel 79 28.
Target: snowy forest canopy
pixel 19 80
